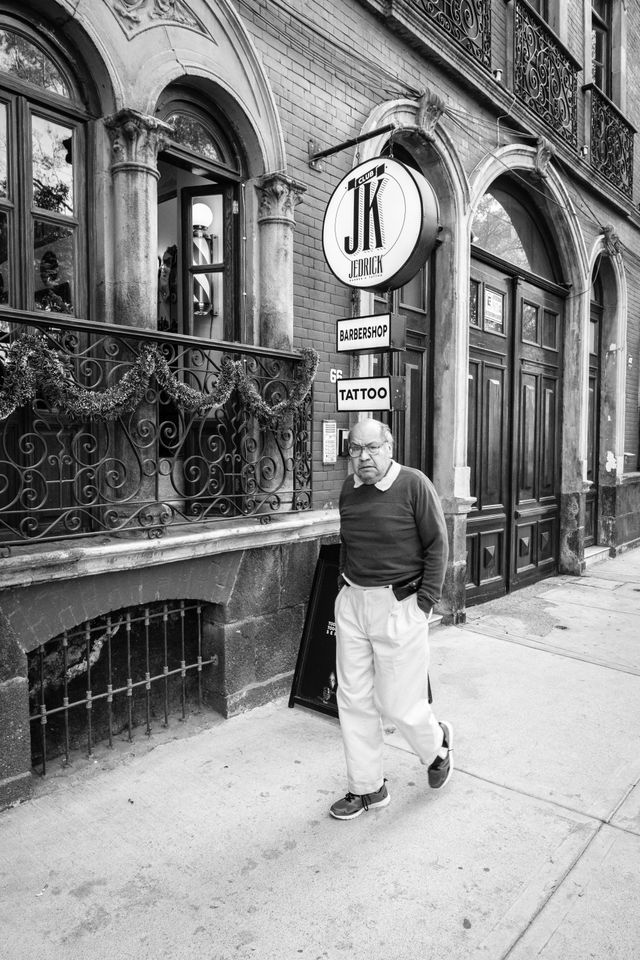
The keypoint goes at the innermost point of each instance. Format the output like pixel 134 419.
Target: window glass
pixel 4 259
pixel 206 250
pixel 550 330
pixel 53 260
pixel 41 164
pixel 530 330
pixel 192 134
pixel 52 166
pixel 200 215
pixel 412 294
pixel 474 288
pixel 505 228
pixel 4 169
pixel 25 61
pixel 601 44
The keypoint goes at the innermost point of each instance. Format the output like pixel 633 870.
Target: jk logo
pixel 368 226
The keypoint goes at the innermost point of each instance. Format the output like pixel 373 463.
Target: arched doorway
pixel 516 314
pixel 414 364
pixel 593 425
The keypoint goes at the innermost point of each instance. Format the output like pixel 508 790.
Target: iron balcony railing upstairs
pixel 163 464
pixel 545 74
pixel 466 22
pixel 612 139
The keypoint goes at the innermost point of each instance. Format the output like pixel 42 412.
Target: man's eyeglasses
pixel 355 449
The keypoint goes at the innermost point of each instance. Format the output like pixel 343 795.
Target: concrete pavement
pixel 215 842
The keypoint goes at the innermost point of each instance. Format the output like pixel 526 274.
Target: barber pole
pixel 201 281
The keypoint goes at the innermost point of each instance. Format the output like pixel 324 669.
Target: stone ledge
pixel 31 567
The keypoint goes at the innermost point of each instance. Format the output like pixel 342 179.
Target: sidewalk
pixel 217 844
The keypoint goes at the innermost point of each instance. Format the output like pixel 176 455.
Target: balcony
pixel 466 22
pixel 134 431
pixel 545 74
pixel 611 142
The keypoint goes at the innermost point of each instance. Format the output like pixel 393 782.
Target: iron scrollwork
pixel 156 467
pixel 466 22
pixel 611 143
pixel 545 76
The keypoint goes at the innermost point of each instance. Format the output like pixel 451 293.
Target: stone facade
pixel 290 79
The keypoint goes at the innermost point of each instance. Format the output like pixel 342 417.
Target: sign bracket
pixel 316 156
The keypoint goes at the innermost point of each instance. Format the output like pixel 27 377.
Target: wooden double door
pixel 514 431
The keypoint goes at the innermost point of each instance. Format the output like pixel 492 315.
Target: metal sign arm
pixel 315 157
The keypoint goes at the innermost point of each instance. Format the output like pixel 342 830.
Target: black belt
pixel 403 590
pixel 400 590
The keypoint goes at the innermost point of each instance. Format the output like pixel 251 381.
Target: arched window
pixel 41 177
pixel 199 212
pixel 505 228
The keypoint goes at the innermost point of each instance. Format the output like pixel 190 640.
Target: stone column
pixel 454 592
pixel 136 141
pixel 278 197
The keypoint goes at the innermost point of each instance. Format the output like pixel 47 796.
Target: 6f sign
pixel 380 225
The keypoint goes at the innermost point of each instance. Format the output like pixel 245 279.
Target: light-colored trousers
pixel 382 659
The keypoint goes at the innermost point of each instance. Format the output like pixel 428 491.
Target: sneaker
pixel 353 804
pixel 442 767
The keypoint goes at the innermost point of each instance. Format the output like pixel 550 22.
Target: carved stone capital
pixel 278 197
pixel 611 241
pixel 545 153
pixel 429 112
pixel 136 140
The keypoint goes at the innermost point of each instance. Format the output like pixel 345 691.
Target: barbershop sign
pixel 380 225
pixel 381 331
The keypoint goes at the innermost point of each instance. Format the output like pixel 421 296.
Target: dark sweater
pixel 394 535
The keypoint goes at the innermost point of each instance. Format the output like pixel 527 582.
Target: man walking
pixel 392 563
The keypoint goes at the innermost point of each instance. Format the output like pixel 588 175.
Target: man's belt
pixel 403 590
pixel 400 590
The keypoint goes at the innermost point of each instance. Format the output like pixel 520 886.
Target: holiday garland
pixel 30 364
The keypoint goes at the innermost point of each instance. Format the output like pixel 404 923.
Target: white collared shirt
pixel 385 482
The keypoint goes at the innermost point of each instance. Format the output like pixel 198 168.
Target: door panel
pixel 488 436
pixel 411 427
pixel 513 433
pixel 536 504
pixel 595 350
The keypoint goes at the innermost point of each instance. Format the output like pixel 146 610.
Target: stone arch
pixel 89 597
pixel 417 127
pixel 533 164
pixel 234 77
pixel 91 60
pixel 614 339
pixel 552 199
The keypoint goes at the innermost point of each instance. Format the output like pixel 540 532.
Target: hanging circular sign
pixel 380 225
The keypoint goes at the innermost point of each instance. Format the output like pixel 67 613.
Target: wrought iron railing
pixel 467 22
pixel 611 142
pixel 545 74
pixel 160 465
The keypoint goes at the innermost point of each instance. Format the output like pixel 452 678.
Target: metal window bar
pixel 91 637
